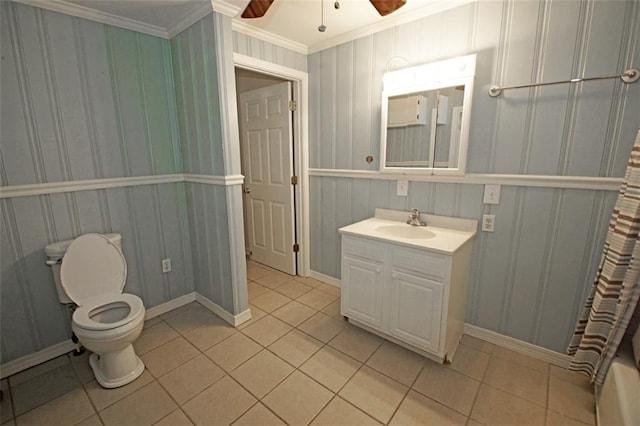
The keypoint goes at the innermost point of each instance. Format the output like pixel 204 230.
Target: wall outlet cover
pixel 166 265
pixel 488 222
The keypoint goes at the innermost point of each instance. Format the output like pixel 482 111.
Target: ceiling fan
pixel 257 8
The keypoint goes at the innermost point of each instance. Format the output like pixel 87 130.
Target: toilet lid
pixel 92 266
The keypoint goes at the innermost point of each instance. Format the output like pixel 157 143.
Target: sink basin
pixel 406 231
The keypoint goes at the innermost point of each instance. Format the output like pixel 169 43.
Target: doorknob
pixel 247 190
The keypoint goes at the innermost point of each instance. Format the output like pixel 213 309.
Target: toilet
pixel 91 272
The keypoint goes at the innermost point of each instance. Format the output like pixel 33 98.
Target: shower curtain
pixel 615 292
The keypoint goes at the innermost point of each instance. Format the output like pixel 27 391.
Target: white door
pixel 266 141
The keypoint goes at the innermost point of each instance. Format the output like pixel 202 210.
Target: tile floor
pixel 296 362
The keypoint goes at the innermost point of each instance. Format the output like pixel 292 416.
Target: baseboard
pixel 234 320
pixel 163 308
pixel 534 351
pixel 325 279
pixel 27 361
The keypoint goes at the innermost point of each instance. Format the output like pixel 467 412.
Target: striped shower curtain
pixel 615 292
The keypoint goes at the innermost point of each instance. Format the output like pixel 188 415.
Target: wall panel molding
pixel 544 181
pixel 31 190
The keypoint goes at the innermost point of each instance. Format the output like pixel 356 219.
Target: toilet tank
pixel 55 253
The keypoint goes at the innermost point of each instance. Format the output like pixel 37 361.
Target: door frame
pixel 300 133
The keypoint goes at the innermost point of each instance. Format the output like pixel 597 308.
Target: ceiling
pixel 289 23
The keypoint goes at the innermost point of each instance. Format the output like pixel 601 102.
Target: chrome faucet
pixel 414 218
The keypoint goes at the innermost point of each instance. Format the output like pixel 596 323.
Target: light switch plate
pixel 403 188
pixel 491 194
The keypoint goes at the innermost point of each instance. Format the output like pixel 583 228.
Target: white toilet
pixel 106 321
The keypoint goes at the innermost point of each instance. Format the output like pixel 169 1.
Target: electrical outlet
pixel 488 222
pixel 402 188
pixel 166 265
pixel 491 194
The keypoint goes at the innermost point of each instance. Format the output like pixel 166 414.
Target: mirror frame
pixel 435 75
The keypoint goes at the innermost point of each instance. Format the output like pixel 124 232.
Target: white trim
pixel 215 180
pixel 538 352
pixel 97 16
pixel 546 181
pixel 244 28
pixel 325 279
pixel 189 19
pixel 301 136
pixel 28 361
pixel 165 307
pixel 225 8
pixel 85 185
pixel 234 320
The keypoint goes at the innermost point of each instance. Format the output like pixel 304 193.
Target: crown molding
pixel 225 8
pixel 244 28
pixel 189 19
pixel 97 16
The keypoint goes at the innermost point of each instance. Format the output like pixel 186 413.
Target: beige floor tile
pixel 81 366
pixel 256 290
pixel 208 335
pixel 259 415
pixel 311 282
pixel 267 330
pixel 295 347
pixel 90 421
pixel 298 399
pixel 256 270
pixel 148 322
pixel 322 327
pixel 256 314
pixel 191 378
pixel 176 418
pixel 180 310
pixel 331 368
pixel 270 301
pixel 154 336
pixel 478 344
pixel 333 310
pixel 518 380
pixel 571 377
pixel 521 359
pixel 35 371
pixel 196 316
pixel 557 419
pixel 330 289
pixel 374 393
pixel 356 342
pixel 293 289
pixel 6 410
pixel 143 407
pixel 397 362
pixel 102 397
pixel 220 404
pixel 165 358
pixel 470 362
pixel 233 351
pixel 340 413
pixel 419 410
pixel 262 373
pixel 273 279
pixel 294 313
pixel 571 400
pixel 317 299
pixel 447 387
pixel 70 408
pixel 495 407
pixel 43 387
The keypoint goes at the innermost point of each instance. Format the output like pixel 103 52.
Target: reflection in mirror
pixel 425 117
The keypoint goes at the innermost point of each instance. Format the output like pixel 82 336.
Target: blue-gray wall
pixel 530 277
pixel 82 100
pixel 259 49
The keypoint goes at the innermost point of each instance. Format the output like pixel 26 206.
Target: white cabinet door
pixel 362 290
pixel 415 311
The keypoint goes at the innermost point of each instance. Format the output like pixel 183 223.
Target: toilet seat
pixel 92 266
pixel 100 305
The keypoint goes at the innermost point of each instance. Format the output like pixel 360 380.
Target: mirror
pixel 425 117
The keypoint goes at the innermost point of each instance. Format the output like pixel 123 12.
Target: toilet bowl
pixel 106 321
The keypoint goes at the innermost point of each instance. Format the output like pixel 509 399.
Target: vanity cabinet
pixel 413 296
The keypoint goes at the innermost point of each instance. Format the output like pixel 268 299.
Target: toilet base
pixel 115 369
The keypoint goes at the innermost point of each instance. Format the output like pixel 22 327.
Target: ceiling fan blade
pixel 256 8
pixel 385 7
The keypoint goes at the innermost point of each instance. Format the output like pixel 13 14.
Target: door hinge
pixel 296 247
pixel 294 180
pixel 293 105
